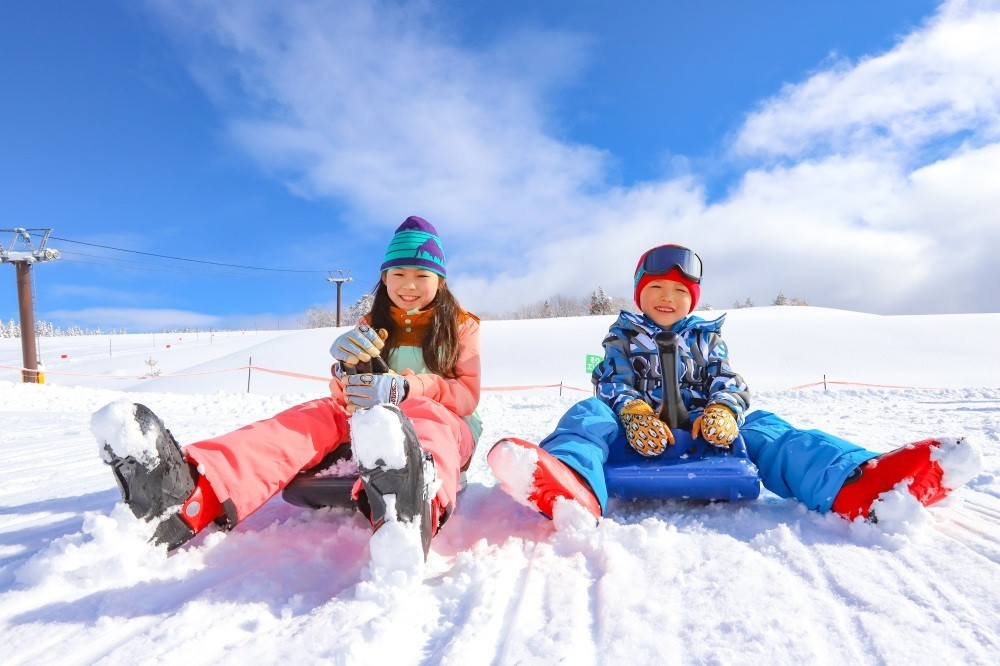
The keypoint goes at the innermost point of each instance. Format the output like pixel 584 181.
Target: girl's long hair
pixel 440 345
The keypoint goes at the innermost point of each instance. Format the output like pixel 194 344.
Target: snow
pixel 342 467
pixel 765 581
pixel 397 552
pixel 958 463
pixel 378 435
pixel 118 433
pixel 397 557
pixel 516 465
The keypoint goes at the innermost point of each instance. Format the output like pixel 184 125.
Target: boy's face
pixel 665 301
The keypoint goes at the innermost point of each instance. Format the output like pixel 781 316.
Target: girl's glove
pixel 647 434
pixel 717 425
pixel 368 389
pixel 360 344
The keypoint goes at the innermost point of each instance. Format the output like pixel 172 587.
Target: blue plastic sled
pixel 690 469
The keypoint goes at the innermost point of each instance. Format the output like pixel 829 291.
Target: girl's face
pixel 665 301
pixel 411 288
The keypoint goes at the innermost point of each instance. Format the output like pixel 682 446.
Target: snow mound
pixel 899 512
pixel 569 515
pixel 397 559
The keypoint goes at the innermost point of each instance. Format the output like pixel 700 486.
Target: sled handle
pixel 672 409
pixel 379 366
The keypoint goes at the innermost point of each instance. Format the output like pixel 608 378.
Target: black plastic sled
pixel 318 488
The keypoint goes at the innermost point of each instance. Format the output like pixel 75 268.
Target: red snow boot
pixel 536 478
pixel 919 464
pixel 197 512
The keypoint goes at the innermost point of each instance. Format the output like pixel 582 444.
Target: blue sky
pixel 842 152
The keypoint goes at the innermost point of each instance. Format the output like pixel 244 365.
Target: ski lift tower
pixel 22 253
pixel 340 279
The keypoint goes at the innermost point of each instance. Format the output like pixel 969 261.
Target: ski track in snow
pixel 672 582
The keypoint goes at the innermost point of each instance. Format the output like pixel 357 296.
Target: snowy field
pixel 665 583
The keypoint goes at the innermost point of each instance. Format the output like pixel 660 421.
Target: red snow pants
pixel 248 466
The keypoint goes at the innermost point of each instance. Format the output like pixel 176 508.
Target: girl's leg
pixel 809 465
pixel 448 439
pixel 248 466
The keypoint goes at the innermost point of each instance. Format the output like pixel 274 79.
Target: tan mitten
pixel 717 425
pixel 647 434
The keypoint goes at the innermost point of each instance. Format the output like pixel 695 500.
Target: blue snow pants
pixel 809 465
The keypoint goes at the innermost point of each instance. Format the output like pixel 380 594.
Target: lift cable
pixel 197 261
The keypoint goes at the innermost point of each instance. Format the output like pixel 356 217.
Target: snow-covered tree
pixel 600 303
pixel 318 317
pixel 361 307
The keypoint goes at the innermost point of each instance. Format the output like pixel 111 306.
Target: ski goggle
pixel 660 260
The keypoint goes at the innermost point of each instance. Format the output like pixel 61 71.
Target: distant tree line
pixel 45 329
pixel 600 303
pixel 780 299
pixel 559 305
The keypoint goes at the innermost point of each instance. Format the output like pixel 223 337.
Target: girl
pixel 427 395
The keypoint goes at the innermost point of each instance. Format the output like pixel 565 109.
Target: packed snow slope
pixel 655 582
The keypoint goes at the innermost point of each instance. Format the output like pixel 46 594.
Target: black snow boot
pixel 154 482
pixel 397 474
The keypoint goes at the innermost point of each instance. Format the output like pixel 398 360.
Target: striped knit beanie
pixel 415 245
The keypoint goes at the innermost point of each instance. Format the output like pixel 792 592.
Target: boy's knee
pixel 591 417
pixel 591 406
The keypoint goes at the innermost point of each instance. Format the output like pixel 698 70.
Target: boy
pixel 824 472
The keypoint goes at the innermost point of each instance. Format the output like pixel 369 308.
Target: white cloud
pixel 371 104
pixel 134 319
pixel 868 186
pixel 936 82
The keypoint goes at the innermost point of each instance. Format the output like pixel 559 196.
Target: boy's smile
pixel 411 288
pixel 666 302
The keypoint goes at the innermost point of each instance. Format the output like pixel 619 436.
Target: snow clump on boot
pixel 960 460
pixel 119 435
pixel 514 467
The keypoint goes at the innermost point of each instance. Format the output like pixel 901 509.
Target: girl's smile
pixel 411 288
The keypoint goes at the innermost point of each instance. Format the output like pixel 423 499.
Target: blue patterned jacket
pixel 631 366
